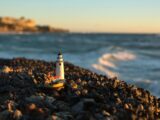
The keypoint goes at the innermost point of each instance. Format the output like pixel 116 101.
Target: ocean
pixel 134 58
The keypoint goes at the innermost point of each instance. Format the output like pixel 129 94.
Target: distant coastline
pixel 23 25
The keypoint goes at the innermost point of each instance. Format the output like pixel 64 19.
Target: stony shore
pixel 86 96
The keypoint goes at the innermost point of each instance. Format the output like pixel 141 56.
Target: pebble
pixel 17 115
pixel 84 92
pixel 74 86
pixel 140 107
pixel 105 113
pixel 7 69
pixel 126 106
pixel 31 107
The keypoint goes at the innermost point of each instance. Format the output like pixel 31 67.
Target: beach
pixel 86 95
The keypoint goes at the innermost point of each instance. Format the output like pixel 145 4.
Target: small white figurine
pixel 60 66
pixel 57 81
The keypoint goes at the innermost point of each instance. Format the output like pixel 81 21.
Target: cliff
pixel 9 24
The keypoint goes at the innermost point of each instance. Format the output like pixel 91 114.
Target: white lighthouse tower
pixel 60 66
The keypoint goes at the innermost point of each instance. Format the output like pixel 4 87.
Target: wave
pixel 103 69
pixel 108 61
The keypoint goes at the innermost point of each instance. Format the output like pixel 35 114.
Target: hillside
pixel 10 24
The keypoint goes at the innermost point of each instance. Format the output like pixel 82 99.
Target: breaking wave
pixel 108 61
pixel 103 69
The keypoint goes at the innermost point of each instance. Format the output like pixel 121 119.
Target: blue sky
pixel 89 15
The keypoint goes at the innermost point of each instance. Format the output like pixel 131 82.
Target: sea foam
pixel 108 60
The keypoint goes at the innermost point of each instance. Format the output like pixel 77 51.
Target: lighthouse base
pixel 55 84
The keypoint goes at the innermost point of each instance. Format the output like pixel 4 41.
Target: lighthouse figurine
pixel 60 66
pixel 58 81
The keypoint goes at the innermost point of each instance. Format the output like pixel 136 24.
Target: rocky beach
pixel 86 95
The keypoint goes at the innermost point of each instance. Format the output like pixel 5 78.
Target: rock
pixel 31 107
pixel 62 106
pixel 115 83
pixel 105 113
pixel 5 115
pixel 34 98
pixel 65 115
pixel 136 92
pixel 126 106
pixel 84 92
pixel 77 108
pixel 99 116
pixel 53 117
pixel 140 107
pixel 82 105
pixel 74 86
pixel 83 116
pixel 78 81
pixel 78 93
pixel 7 69
pixel 41 99
pixel 49 100
pixel 17 115
pixel 10 105
pixel 118 101
pixel 88 103
pixel 83 83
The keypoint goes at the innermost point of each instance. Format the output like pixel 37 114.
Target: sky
pixel 119 16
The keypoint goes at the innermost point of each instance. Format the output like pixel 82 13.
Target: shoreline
pixel 86 94
pixel 19 33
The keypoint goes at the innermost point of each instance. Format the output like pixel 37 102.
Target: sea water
pixel 134 58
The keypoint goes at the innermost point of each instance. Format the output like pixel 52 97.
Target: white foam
pixel 105 61
pixel 123 56
pixel 108 60
pixel 103 69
